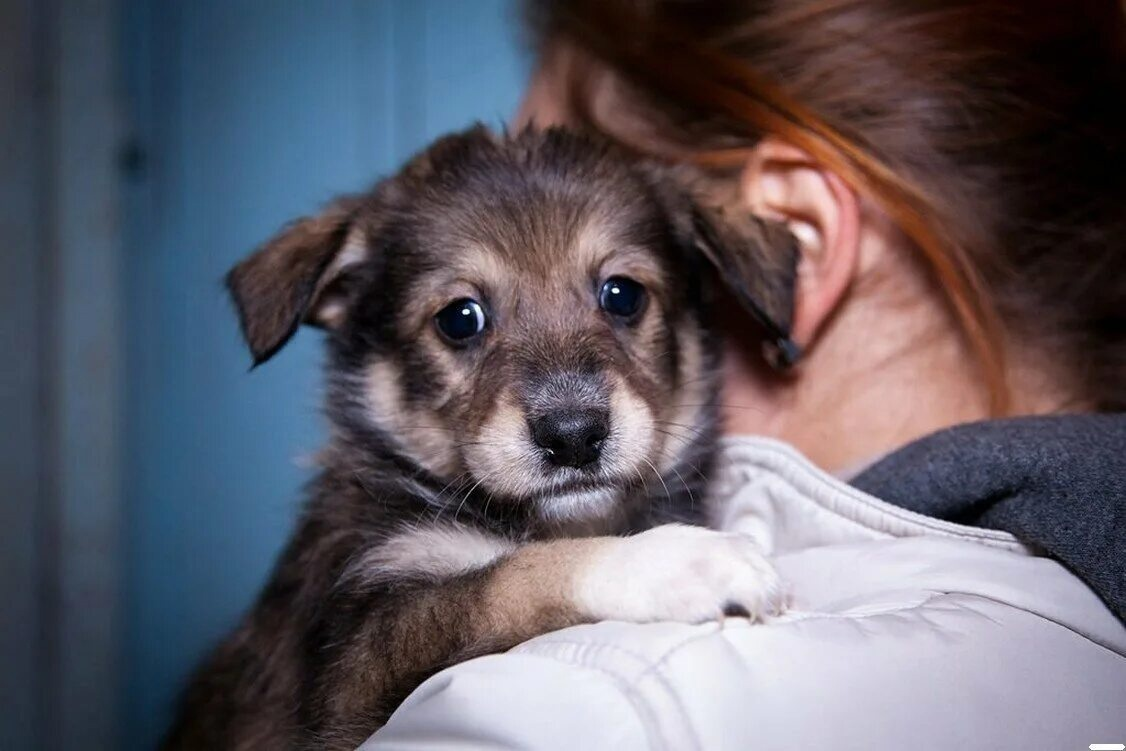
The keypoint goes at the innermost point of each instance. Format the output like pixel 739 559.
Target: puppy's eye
pixel 461 320
pixel 622 297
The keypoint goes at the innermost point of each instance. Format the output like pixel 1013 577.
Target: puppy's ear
pixel 298 276
pixel 757 259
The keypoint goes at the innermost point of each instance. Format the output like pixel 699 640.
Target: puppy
pixel 521 389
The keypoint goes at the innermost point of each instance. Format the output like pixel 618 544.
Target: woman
pixel 955 534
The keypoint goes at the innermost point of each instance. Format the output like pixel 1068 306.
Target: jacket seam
pixel 628 686
pixel 823 491
pixel 1041 616
pixel 799 616
pixel 655 665
pixel 807 481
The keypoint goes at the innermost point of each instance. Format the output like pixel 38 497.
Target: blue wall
pixel 249 114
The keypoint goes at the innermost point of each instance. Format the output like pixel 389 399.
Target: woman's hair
pixel 990 131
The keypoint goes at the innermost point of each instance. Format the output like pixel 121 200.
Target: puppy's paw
pixel 679 573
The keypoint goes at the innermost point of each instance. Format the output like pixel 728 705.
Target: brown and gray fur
pixel 436 531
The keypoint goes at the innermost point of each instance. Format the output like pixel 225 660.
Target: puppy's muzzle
pixel 571 437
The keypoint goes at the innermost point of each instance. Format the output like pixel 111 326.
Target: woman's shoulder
pixel 891 643
pixel 905 631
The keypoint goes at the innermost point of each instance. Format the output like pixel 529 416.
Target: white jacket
pixel 906 633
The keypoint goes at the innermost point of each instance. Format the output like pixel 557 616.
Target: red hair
pixel 937 112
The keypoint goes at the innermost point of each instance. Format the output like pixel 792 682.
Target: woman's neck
pixel 873 384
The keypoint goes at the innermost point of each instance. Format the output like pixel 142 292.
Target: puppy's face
pixel 538 338
pixel 520 318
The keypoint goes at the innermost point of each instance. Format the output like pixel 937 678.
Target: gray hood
pixel 1055 483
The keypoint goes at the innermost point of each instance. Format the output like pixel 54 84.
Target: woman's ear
pixel 785 183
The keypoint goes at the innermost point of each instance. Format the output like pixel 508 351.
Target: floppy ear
pixel 757 259
pixel 298 276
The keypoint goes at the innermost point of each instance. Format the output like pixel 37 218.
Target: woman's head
pixel 981 138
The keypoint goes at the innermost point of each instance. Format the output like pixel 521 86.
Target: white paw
pixel 679 573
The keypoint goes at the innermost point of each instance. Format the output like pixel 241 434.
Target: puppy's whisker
pixel 684 441
pixel 652 466
pixel 685 436
pixel 488 500
pixel 465 498
pixel 695 430
pixel 459 481
pixel 637 364
pixel 693 381
pixel 723 405
pixel 642 484
pixel 691 497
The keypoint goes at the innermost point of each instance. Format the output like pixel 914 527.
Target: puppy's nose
pixel 572 437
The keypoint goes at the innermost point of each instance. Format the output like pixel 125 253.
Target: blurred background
pixel 147 479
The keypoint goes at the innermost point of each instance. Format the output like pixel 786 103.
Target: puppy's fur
pixel 438 529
